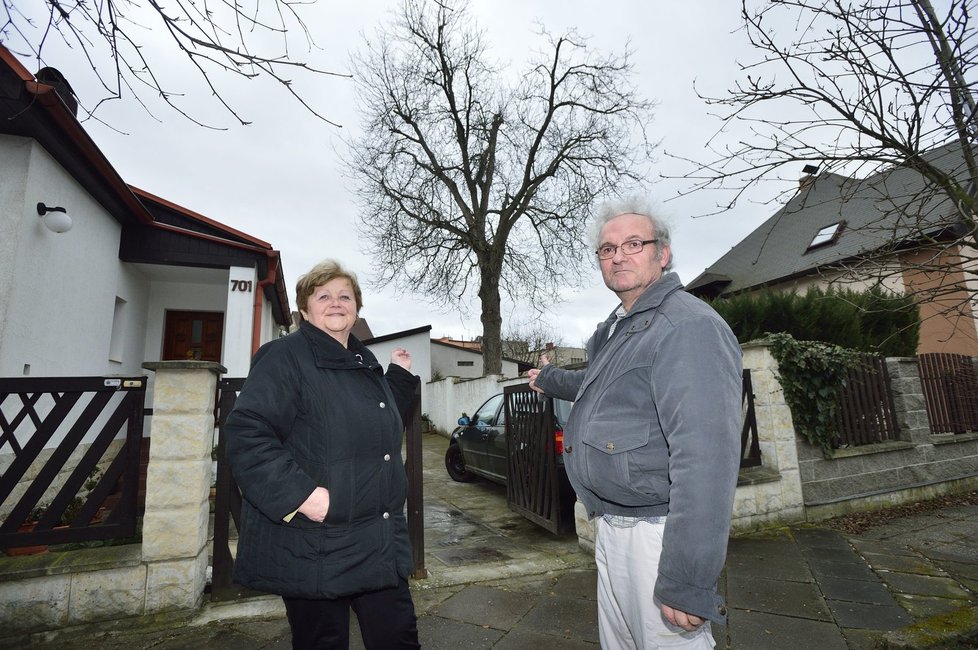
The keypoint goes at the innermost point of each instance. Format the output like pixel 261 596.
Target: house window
pixel 466 363
pixel 827 235
pixel 116 342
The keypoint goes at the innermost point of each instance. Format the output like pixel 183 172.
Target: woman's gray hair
pixel 641 207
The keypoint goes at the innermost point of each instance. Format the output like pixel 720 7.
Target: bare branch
pixel 245 40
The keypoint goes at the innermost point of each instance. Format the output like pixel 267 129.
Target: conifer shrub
pixel 870 321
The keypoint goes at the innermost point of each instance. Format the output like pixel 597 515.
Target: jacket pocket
pixel 342 483
pixel 624 466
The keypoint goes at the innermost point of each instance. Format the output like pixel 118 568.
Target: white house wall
pixel 969 267
pixel 15 153
pixel 132 288
pixel 892 282
pixel 57 291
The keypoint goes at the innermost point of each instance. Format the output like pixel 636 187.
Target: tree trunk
pixel 492 323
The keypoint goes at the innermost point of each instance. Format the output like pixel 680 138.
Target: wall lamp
pixel 55 219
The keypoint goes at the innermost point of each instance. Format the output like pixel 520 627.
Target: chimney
pixel 809 176
pixel 53 77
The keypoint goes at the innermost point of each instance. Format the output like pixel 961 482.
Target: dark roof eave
pixel 398 335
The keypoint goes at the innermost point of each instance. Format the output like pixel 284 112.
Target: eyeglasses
pixel 630 247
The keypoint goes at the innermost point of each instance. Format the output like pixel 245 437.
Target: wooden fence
pixel 950 385
pixel 44 423
pixel 866 412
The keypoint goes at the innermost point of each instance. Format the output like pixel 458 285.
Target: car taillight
pixel 559 441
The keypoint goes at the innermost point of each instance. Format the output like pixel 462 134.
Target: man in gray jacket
pixel 652 446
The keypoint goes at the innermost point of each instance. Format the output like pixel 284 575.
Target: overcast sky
pixel 279 178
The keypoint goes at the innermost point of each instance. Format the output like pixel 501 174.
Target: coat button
pixel 568 449
pixel 722 610
pixel 382 405
pixel 387 515
pixel 611 446
pixel 387 456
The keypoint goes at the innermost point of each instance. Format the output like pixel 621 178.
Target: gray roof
pixel 882 212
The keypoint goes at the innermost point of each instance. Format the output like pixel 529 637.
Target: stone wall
pixel 167 572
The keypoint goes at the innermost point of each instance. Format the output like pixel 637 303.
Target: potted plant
pixel 66 517
pixel 32 518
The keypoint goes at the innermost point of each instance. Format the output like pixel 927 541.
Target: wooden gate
pixel 227 502
pixel 44 424
pixel 534 485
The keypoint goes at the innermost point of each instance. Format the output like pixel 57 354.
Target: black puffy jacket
pixel 313 413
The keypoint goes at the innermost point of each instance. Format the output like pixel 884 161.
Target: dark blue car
pixel 478 445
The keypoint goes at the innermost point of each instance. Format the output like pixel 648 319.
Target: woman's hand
pixel 316 505
pixel 401 357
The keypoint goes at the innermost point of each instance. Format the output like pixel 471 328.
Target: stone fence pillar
pixel 178 482
pixel 908 400
pixel 761 501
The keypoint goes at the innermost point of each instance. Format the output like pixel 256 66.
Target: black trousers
pixel 386 618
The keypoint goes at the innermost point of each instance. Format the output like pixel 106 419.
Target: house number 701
pixel 241 285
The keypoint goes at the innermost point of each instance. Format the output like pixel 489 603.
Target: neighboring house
pixel 437 358
pixel 416 341
pixel 857 233
pixel 562 356
pixel 449 359
pixel 458 358
pixel 135 279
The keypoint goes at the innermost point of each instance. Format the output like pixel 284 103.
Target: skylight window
pixel 827 235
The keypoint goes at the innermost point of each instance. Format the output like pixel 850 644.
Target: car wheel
pixel 456 465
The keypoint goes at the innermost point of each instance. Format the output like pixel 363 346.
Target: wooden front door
pixel 193 336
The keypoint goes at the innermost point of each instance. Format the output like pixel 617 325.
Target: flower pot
pixel 26 550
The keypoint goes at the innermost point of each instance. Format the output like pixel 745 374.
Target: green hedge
pixel 869 322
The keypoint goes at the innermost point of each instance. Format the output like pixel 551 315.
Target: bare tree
pixel 246 39
pixel 879 96
pixel 525 342
pixel 466 180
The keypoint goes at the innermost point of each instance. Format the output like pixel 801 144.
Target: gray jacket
pixel 655 430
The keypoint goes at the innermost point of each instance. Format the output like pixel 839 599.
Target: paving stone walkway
pixel 898 583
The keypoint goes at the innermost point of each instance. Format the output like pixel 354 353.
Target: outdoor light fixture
pixel 55 219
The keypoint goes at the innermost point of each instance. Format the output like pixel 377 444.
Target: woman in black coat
pixel 314 442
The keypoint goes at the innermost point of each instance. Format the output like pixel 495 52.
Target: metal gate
pixel 537 486
pixel 44 423
pixel 227 502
